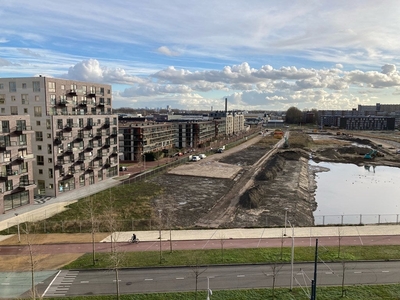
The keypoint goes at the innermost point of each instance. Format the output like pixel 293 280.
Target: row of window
pixel 12 87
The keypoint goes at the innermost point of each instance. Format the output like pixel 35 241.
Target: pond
pixel 350 194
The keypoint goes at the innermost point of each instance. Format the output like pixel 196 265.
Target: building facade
pixel 139 139
pixel 76 135
pixel 16 160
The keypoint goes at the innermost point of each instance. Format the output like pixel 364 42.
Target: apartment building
pixel 367 123
pixel 76 136
pixel 234 121
pixel 16 159
pixel 141 138
pixel 194 134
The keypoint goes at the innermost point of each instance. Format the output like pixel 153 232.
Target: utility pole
pixel 314 281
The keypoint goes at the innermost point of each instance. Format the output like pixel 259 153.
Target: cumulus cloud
pixel 166 51
pixel 90 70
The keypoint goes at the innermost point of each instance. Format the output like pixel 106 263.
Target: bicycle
pixel 135 241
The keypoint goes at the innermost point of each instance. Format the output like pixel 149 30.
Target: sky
pixel 191 55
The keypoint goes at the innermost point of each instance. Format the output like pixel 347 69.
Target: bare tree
pixel 197 271
pixel 29 238
pixel 275 268
pixel 90 210
pixel 222 241
pixel 340 236
pixel 116 256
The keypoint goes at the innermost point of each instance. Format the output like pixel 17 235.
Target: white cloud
pixel 166 51
pixel 90 70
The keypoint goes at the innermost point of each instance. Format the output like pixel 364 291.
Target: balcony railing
pixel 25 183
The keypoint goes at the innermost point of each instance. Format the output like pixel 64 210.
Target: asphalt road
pixel 101 282
pixel 207 244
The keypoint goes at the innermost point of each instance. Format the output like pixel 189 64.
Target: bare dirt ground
pixel 209 194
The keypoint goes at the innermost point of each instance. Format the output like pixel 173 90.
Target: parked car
pixel 202 156
pixel 195 158
pixel 220 150
pixel 123 168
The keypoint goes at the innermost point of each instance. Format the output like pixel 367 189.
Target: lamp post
pixel 144 162
pixel 292 257
pixel 19 235
pixel 209 292
pixel 286 210
pixel 159 231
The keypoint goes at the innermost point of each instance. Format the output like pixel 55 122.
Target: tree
pixel 294 115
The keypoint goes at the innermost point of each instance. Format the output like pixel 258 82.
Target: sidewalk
pixel 260 233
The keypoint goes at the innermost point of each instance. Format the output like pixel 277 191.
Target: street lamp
pixel 159 216
pixel 286 210
pixel 209 292
pixel 19 235
pixel 292 257
pixel 144 162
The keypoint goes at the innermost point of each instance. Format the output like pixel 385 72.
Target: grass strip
pixel 237 256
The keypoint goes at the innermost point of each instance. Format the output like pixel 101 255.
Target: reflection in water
pixel 347 189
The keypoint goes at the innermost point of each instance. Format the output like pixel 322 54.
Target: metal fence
pixel 357 219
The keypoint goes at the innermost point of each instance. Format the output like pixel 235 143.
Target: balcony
pixel 62 102
pixel 68 127
pixel 89 126
pixel 24 157
pixel 72 91
pixel 26 183
pixel 106 125
pixel 21 129
pixel 83 103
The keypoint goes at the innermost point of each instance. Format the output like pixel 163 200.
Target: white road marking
pixel 240 276
pixel 148 279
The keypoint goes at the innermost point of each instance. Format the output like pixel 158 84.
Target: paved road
pixel 207 244
pixel 74 283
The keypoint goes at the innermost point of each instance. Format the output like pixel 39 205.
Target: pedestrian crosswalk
pixel 61 284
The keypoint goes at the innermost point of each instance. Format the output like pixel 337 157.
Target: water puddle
pixel 350 194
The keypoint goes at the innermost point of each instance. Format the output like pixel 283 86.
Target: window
pixel 37 123
pixel 84 89
pixel 2 99
pixel 39 147
pixel 12 85
pixel 37 98
pixel 14 110
pixel 40 160
pixel 40 171
pixel 49 135
pixel 102 91
pixel 37 111
pixel 52 99
pixel 12 98
pixel 24 85
pixel 52 87
pixel 50 186
pixel 3 110
pixel 24 99
pixel 109 92
pixel 48 124
pixel 1 86
pixel 50 173
pixel 25 110
pixel 36 86
pixel 62 87
pixel 49 149
pixel 50 160
pixel 39 136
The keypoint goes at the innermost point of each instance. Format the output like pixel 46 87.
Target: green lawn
pixel 237 256
pixel 373 292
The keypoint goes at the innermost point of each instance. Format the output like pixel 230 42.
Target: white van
pixel 202 156
pixel 195 158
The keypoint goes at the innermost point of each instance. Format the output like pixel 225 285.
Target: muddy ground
pixel 284 182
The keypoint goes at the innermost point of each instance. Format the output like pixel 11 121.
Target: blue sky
pixel 260 54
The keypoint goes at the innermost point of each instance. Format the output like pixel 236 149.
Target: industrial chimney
pixel 226 105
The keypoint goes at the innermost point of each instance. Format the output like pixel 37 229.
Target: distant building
pixel 367 123
pixel 140 139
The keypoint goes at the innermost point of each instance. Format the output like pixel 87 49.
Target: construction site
pixel 264 180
